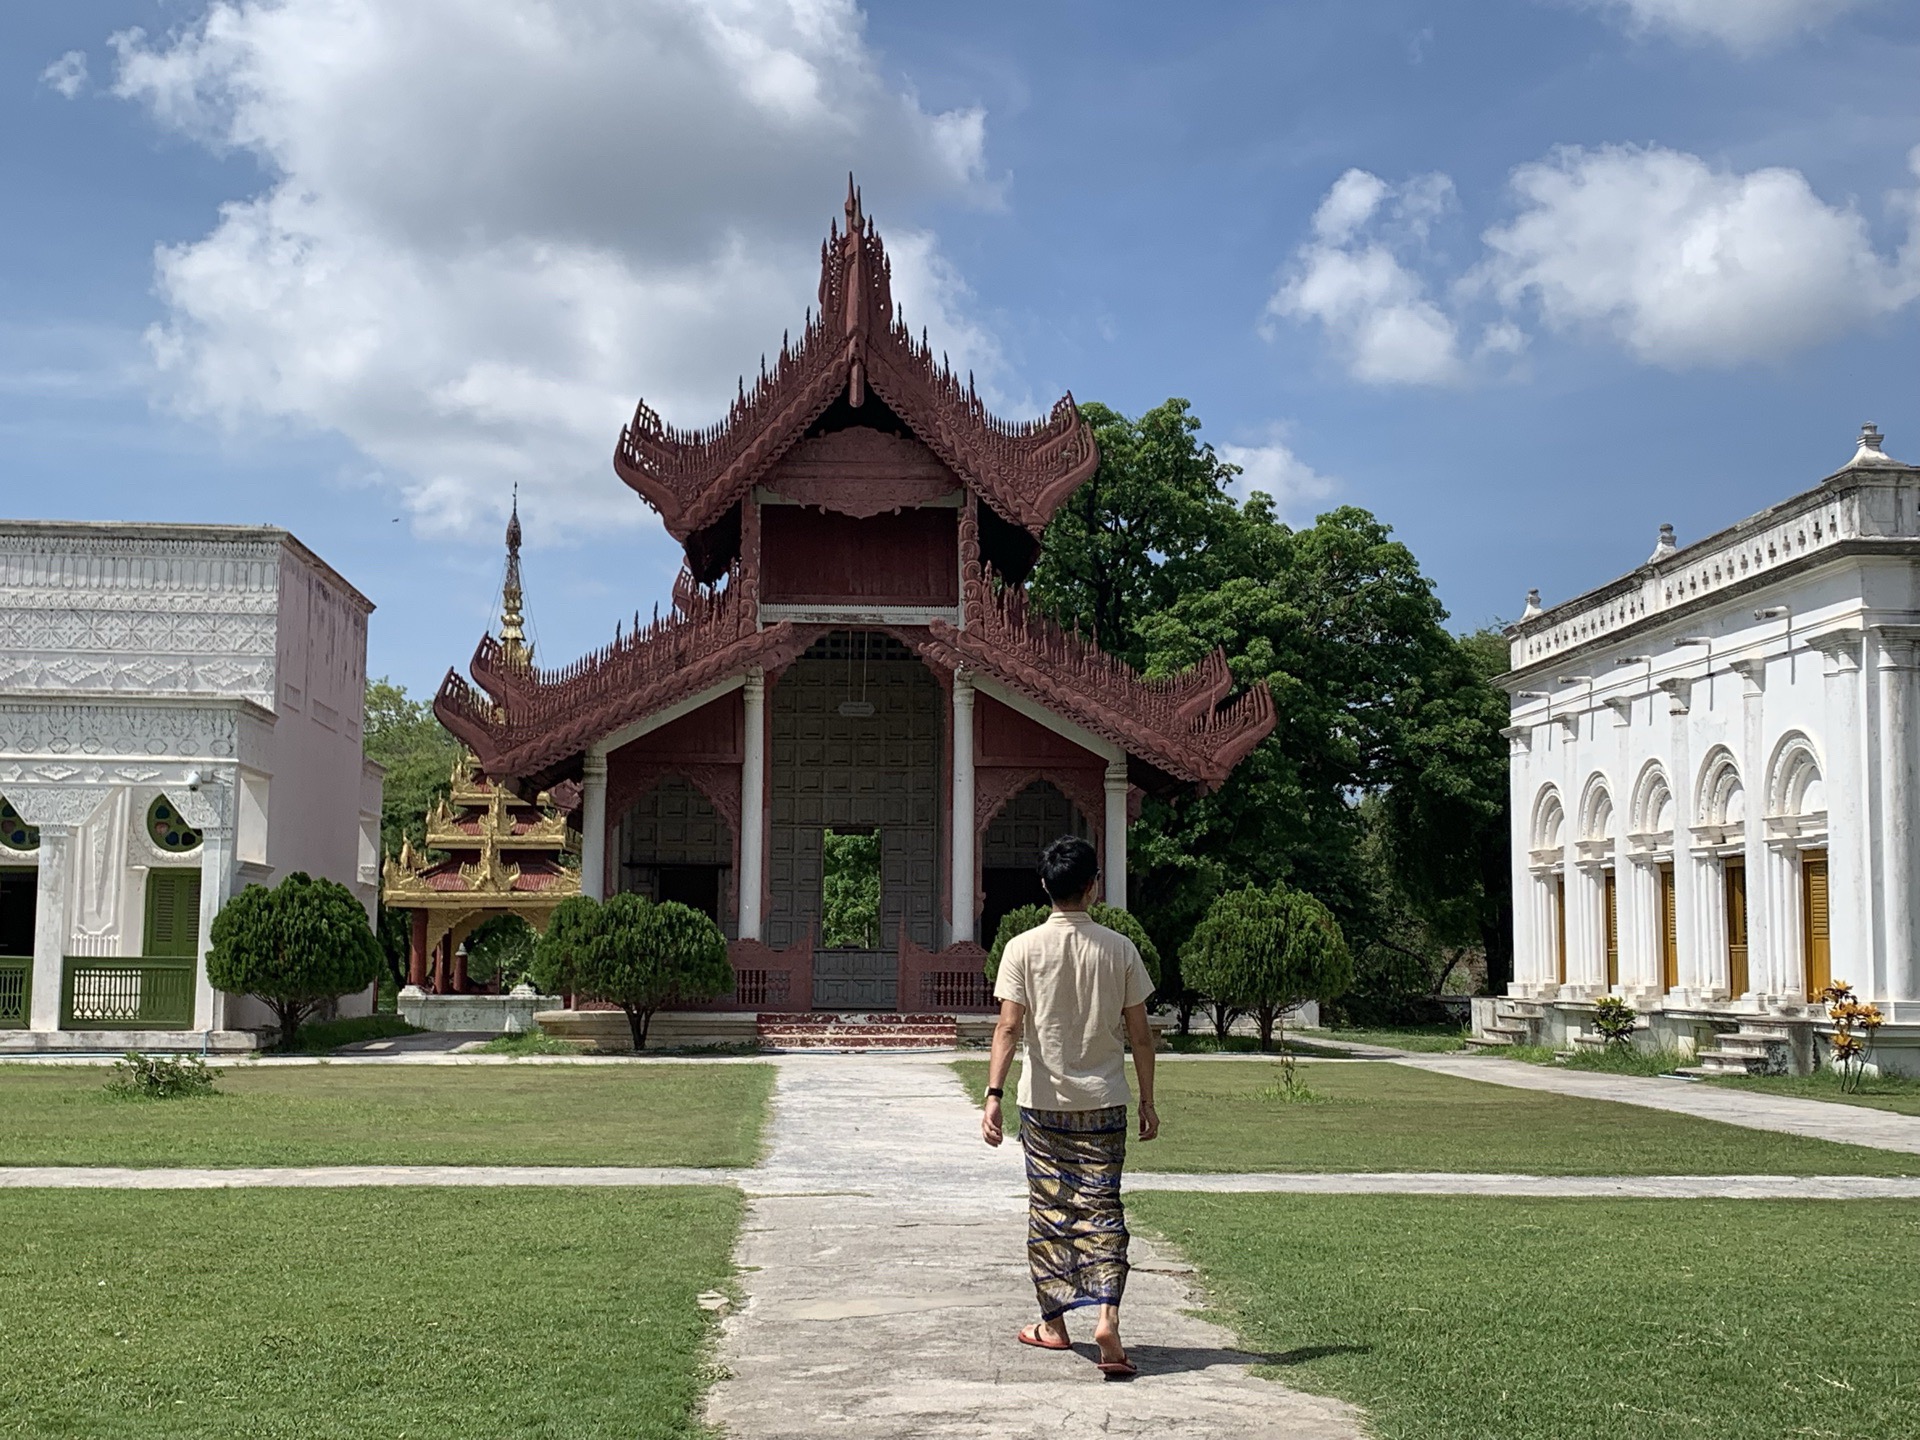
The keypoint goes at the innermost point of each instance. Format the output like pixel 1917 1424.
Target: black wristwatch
pixel 994 1092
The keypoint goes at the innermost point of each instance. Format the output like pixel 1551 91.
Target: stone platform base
pixel 472 1014
pixel 606 1032
pixel 151 1042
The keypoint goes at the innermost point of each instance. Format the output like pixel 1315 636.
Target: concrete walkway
pixel 1817 1119
pixel 758 1182
pixel 886 1275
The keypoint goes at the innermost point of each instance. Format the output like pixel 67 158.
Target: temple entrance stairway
pixel 1515 1022
pixel 1758 1047
pixel 833 1030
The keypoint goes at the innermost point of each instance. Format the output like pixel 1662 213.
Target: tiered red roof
pixel 856 343
pixel 531 725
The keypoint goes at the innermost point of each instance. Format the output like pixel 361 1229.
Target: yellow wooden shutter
pixel 1814 921
pixel 1613 931
pixel 1669 932
pixel 1736 892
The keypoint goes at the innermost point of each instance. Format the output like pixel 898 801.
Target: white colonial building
pixel 1714 779
pixel 180 714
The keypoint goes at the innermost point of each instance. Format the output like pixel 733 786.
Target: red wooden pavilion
pixel 850 648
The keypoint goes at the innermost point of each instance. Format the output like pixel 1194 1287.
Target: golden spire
pixel 513 635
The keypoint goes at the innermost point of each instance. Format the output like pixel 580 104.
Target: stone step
pixel 1492 1040
pixel 833 1031
pixel 1726 1062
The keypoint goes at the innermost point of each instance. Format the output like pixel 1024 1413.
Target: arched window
pixel 1797 786
pixel 1723 800
pixel 1596 810
pixel 1652 802
pixel 1549 820
pixel 167 830
pixel 15 833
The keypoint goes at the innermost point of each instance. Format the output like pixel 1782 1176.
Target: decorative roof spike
pixel 513 634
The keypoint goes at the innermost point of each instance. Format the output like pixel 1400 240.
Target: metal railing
pixel 126 993
pixel 16 991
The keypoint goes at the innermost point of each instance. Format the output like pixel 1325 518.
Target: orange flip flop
pixel 1121 1369
pixel 1031 1336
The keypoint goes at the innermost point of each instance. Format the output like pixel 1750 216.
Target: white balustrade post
pixel 1116 817
pixel 962 848
pixel 593 825
pixel 753 803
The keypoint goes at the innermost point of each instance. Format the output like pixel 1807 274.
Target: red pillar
pixel 417 951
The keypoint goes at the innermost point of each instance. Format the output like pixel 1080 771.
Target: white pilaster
pixel 1763 935
pixel 1895 976
pixel 1850 790
pixel 593 825
pixel 1116 863
pixel 962 848
pixel 216 870
pixel 753 803
pixel 50 924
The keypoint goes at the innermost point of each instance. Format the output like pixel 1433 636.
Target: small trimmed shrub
pixel 1614 1018
pixel 1032 917
pixel 161 1077
pixel 501 949
pixel 635 953
pixel 1265 951
pixel 295 947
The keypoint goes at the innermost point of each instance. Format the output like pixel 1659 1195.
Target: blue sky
pixel 1524 277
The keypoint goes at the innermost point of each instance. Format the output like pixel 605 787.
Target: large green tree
pixel 1157 556
pixel 402 734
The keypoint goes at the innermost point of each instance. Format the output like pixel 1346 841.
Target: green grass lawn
pixel 1495 1319
pixel 1431 1040
pixel 1313 1042
pixel 1612 1060
pixel 1898 1093
pixel 429 1314
pixel 1370 1115
pixel 395 1115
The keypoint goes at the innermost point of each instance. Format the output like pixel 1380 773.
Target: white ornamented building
pixel 180 715
pixel 1714 770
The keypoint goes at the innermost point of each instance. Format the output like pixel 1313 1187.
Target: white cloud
pixel 1742 25
pixel 68 74
pixel 1686 265
pixel 1682 264
pixel 1351 281
pixel 1296 487
pixel 491 225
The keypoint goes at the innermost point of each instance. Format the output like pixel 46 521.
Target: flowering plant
pixel 1853 1027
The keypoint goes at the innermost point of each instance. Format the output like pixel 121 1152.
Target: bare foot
pixel 1106 1335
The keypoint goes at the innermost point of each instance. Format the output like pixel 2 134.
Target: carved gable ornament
pixel 861 472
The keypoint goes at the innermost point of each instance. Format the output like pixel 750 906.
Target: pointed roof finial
pixel 1870 449
pixel 1533 605
pixel 855 220
pixel 1664 546
pixel 513 634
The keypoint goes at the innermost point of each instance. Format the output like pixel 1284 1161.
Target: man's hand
pixel 1149 1121
pixel 990 1130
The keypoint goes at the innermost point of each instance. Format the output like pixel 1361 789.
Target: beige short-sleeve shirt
pixel 1075 978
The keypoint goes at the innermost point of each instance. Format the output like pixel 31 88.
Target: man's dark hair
pixel 1067 868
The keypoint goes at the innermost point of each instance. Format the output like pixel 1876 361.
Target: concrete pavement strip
pixel 1790 1115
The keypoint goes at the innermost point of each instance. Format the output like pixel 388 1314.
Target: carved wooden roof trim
pixel 856 341
pixel 1177 724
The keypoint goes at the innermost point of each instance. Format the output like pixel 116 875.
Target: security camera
pixel 193 779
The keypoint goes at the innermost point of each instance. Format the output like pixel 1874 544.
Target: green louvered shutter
pixel 173 913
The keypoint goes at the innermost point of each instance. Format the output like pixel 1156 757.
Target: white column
pixel 1763 935
pixel 50 924
pixel 1116 865
pixel 216 868
pixel 753 803
pixel 1849 806
pixel 962 848
pixel 593 825
pixel 1894 976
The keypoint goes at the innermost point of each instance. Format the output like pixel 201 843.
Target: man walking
pixel 1070 991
